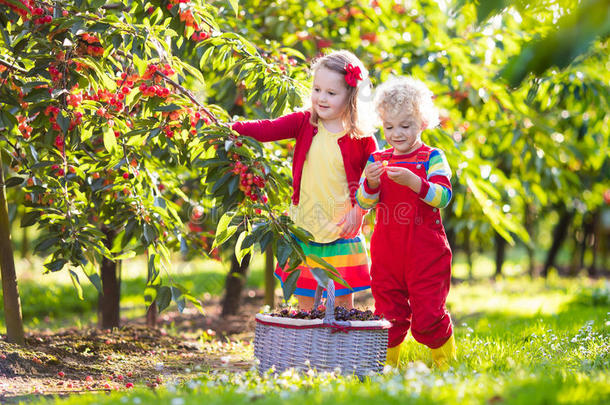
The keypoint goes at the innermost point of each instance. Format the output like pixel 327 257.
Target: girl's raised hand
pixel 351 222
pixel 373 173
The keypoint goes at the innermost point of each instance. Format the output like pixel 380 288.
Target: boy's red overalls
pixel 411 268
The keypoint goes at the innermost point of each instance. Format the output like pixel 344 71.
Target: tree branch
pixel 192 98
pixel 11 65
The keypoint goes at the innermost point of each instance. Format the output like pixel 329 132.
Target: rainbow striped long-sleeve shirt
pixel 435 187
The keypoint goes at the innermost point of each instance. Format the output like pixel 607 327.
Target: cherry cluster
pixel 92 45
pixel 23 13
pixel 249 182
pixel 341 314
pixel 186 15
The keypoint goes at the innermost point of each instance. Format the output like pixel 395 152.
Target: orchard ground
pixel 549 345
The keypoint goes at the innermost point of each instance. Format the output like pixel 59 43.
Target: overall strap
pixel 385 155
pixel 422 158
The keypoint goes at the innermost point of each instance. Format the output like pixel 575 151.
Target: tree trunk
pixel 151 315
pixel 12 303
pixel 574 266
pixel 500 253
pixel 594 242
pixel 108 304
pixel 529 227
pixel 468 251
pixel 559 234
pixel 269 278
pixel 588 238
pixel 236 279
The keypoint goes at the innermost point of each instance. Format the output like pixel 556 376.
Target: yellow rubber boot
pixel 393 356
pixel 445 354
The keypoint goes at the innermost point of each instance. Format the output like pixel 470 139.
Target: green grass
pixel 519 342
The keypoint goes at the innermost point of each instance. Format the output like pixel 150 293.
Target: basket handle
pixel 329 317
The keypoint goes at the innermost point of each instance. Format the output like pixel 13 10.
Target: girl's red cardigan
pixel 355 151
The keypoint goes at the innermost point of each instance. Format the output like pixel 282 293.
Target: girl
pixel 333 143
pixel 411 258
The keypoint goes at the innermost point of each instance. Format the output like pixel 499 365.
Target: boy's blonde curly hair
pixel 406 94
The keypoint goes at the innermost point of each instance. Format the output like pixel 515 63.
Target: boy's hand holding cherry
pixel 373 173
pixel 400 175
pixel 404 177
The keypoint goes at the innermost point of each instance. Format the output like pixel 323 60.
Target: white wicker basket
pixel 353 347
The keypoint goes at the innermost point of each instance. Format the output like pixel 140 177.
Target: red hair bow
pixel 352 75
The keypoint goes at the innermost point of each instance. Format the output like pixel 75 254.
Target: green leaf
pixel 178 298
pixel 56 265
pixel 265 240
pixel 284 248
pixel 150 294
pixel 14 181
pixel 240 251
pixel 164 297
pixel 139 63
pixel 63 122
pixel 320 276
pixel 302 234
pixel 329 269
pixel 222 230
pixel 168 107
pixel 195 302
pixel 150 233
pixel 125 256
pixel 29 218
pixel 235 6
pixel 290 285
pixel 91 272
pixel 76 283
pixel 110 140
pixel 45 244
pixel 153 272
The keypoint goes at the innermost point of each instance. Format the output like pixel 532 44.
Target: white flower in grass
pixel 421 367
pixel 158 366
pixel 137 400
pixel 225 359
pixel 387 369
pixel 177 401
